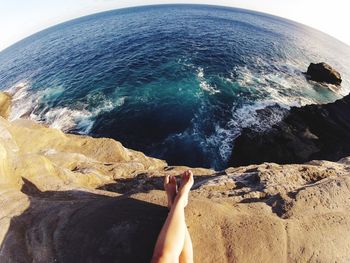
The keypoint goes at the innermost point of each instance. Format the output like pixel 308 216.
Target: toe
pixel 166 180
pixel 187 175
pixel 172 180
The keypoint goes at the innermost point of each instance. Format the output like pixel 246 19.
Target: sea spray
pixel 176 82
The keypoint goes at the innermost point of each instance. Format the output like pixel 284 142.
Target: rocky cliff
pixel 69 198
pixel 304 134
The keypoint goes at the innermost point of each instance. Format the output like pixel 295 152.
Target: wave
pixel 34 105
pixel 260 89
pixel 270 97
pixel 203 84
pixel 66 119
pixel 23 103
pixel 253 116
pixel 284 83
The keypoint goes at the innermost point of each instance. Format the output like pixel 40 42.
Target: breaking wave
pixel 34 104
pixel 176 82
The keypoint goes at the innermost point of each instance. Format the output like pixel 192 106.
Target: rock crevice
pixel 69 198
pixel 312 132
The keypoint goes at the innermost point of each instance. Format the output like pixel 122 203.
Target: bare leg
pixel 186 255
pixel 171 239
pixel 170 187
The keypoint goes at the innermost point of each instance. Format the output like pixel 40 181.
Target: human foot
pixel 185 186
pixel 170 188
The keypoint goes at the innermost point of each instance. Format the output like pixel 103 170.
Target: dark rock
pixel 322 72
pixel 304 134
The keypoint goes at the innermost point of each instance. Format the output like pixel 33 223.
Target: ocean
pixel 177 82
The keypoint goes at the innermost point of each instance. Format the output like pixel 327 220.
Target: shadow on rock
pixel 311 132
pixel 144 183
pixel 77 226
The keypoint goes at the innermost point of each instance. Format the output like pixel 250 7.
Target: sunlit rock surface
pixel 69 198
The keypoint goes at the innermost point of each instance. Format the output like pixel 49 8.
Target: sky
pixel 22 18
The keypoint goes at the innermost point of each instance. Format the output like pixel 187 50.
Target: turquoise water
pixel 177 82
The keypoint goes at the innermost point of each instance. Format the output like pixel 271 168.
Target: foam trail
pixel 26 104
pixel 66 119
pixel 204 85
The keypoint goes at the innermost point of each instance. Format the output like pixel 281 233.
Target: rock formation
pixel 304 134
pixel 5 104
pixel 322 72
pixel 68 198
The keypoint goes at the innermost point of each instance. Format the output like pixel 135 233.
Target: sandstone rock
pixel 322 72
pixel 67 198
pixel 5 104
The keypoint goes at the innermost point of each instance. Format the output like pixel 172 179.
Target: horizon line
pixel 169 4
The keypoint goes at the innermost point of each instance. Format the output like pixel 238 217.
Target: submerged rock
pixel 68 198
pixel 322 72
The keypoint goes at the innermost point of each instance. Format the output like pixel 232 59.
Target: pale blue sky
pixel 21 18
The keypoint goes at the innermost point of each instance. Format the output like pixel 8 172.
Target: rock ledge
pixel 68 198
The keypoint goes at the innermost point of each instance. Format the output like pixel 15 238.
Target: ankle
pixel 181 200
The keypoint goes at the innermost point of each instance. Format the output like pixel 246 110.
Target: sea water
pixel 178 82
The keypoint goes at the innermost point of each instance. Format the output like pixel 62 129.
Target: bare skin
pixel 174 241
pixel 170 186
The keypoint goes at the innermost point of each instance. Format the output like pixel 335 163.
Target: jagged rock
pixel 306 133
pixel 322 72
pixel 75 199
pixel 5 104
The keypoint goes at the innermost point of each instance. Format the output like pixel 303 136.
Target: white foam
pixel 25 105
pixel 247 116
pixel 204 85
pixel 243 117
pixel 66 119
pixel 120 101
pixel 288 87
pixel 222 139
pixel 23 102
pixel 245 76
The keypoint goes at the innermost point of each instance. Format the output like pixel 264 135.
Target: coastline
pixel 311 132
pixel 71 196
